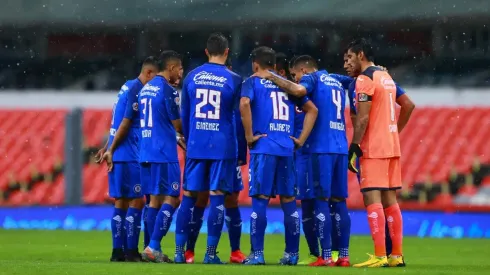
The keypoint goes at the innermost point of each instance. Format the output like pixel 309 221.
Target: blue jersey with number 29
pixel 328 135
pixel 158 106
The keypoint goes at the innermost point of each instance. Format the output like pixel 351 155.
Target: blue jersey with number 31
pixel 158 106
pixel 210 97
pixel 328 135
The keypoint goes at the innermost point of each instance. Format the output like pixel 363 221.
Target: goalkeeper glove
pixel 354 153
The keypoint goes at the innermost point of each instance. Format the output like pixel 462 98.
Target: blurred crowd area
pixel 421 44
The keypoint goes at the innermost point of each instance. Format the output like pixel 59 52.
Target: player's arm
pixel 407 106
pixel 185 110
pixel 100 153
pixel 247 95
pixel 285 85
pixel 344 80
pixel 171 103
pixel 311 113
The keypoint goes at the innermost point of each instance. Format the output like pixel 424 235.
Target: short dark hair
pixel 264 56
pixel 306 60
pixel 166 57
pixel 216 44
pixel 292 60
pixel 151 60
pixel 362 45
pixel 228 62
pixel 281 62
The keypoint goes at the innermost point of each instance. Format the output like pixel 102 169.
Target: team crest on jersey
pixel 137 188
pixel 135 106
pixel 298 110
pixel 175 186
pixel 177 100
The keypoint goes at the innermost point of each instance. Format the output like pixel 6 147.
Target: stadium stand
pixel 446 164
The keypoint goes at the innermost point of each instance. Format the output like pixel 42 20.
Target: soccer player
pixel 328 146
pixel 159 121
pixel 123 166
pixel 376 143
pixel 233 218
pixel 210 94
pixel 407 106
pixel 268 118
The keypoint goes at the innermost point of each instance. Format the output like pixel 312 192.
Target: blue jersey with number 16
pixel 328 135
pixel 158 105
pixel 210 96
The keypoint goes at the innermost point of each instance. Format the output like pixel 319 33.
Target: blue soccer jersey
pixel 210 96
pixel 126 106
pixel 158 106
pixel 273 113
pixel 328 94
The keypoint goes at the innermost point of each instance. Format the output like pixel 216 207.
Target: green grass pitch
pixel 73 252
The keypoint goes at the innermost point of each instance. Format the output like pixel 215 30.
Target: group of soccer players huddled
pixel 289 115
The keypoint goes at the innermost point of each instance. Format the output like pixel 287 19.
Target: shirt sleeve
pixel 300 101
pixel 343 79
pixel 352 96
pixel 247 89
pixel 364 88
pixel 131 111
pixel 185 109
pixel 172 102
pixel 308 82
pixel 399 91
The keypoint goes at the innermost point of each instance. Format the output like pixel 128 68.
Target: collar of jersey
pixel 215 64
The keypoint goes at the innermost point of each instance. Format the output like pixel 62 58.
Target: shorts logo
pixel 137 188
pixel 337 217
pixel 175 186
pixel 135 106
pixel 390 219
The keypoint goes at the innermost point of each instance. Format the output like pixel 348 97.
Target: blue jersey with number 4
pixel 273 113
pixel 158 106
pixel 210 97
pixel 126 106
pixel 328 94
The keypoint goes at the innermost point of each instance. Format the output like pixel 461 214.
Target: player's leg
pixel 132 190
pixel 233 218
pixel 393 214
pixel 285 182
pixel 196 224
pixel 119 214
pixel 342 222
pixel 322 165
pixel 221 175
pixel 304 181
pixel 167 177
pixel 374 178
pixel 195 179
pixel 335 239
pixel 261 174
pixel 146 234
pixel 145 180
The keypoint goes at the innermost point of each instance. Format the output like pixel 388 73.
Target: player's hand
pixel 107 157
pixel 297 143
pixel 98 156
pixel 265 74
pixel 354 153
pixel 253 139
pixel 181 143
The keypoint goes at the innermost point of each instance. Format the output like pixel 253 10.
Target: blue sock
pixel 216 221
pixel 291 225
pixel 182 228
pixel 234 224
pixel 162 225
pixel 389 245
pixel 324 227
pixel 342 227
pixel 151 216
pixel 133 228
pixel 335 238
pixel 146 235
pixel 195 227
pixel 117 228
pixel 308 220
pixel 258 224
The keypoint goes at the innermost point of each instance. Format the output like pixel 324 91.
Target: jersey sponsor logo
pixel 206 78
pixel 387 83
pixel 124 88
pixel 268 84
pixel 328 80
pixel 149 88
pixel 135 106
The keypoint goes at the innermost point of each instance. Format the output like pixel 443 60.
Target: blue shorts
pixel 304 177
pixel 124 181
pixel 237 183
pixel 272 175
pixel 330 175
pixel 161 179
pixel 209 175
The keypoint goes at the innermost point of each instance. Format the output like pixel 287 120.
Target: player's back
pixel 211 94
pixel 158 107
pixel 381 139
pixel 128 150
pixel 328 135
pixel 273 114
